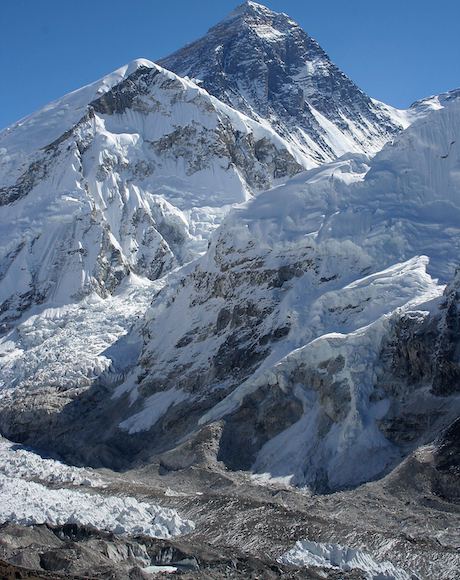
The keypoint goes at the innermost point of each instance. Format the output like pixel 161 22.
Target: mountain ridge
pixel 245 304
pixel 147 161
pixel 298 285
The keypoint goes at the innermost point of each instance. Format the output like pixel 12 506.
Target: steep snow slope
pixel 130 174
pixel 281 336
pixel 262 63
pixel 299 344
pixel 408 202
pixel 40 129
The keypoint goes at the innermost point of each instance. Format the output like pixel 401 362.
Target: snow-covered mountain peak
pixel 137 63
pixel 249 8
pixel 255 14
pixel 241 272
pixel 263 63
pixel 127 175
pixel 256 20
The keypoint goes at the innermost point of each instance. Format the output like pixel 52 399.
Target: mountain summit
pixel 249 8
pixel 263 63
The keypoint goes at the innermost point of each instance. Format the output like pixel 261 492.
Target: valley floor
pixel 242 528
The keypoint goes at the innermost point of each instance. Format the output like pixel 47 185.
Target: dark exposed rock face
pixel 264 64
pixel 446 379
pixel 265 414
pixel 421 371
pixel 36 171
pixel 127 94
pixel 424 350
pixel 447 463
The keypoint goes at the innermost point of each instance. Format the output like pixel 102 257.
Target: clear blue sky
pixel 396 50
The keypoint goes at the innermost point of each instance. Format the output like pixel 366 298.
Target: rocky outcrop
pixel 446 379
pixel 420 372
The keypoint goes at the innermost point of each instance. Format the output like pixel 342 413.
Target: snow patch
pixel 154 408
pixel 337 557
pixel 160 569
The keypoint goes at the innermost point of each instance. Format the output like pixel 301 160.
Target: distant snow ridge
pixel 306 553
pixel 29 503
